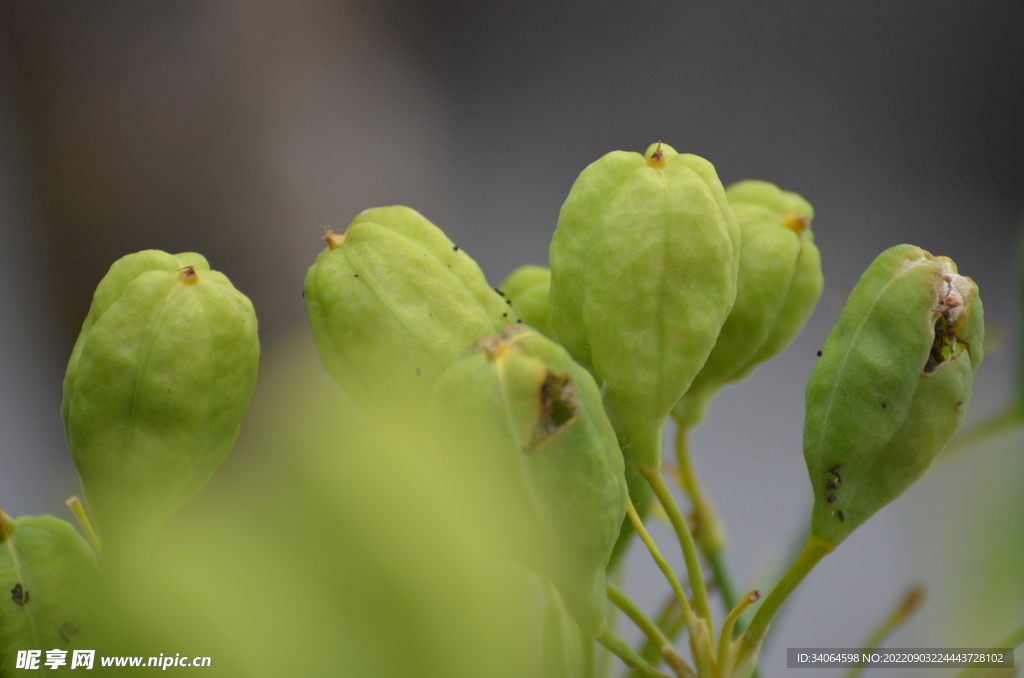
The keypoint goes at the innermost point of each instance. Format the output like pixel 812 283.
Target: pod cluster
pixel 540 403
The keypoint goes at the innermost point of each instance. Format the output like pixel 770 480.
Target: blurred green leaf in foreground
pixel 331 545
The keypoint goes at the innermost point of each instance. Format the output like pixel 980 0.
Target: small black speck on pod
pixel 504 315
pixel 819 354
pixel 19 595
pixel 67 630
pixel 842 518
pixel 884 406
pixel 837 482
pixel 520 320
pixel 455 247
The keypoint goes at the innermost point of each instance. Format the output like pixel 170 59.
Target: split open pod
pixel 891 386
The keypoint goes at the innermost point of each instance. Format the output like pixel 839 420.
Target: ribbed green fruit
pixel 392 303
pixel 47 577
pixel 643 275
pixel 777 289
pixel 533 419
pixel 529 290
pixel 891 386
pixel 158 382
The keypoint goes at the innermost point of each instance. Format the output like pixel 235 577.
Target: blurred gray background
pixel 237 129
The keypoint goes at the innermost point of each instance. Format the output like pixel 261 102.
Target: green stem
pixel 675 516
pixel 702 649
pixel 1012 640
pixel 75 504
pixel 716 560
pixel 794 546
pixel 666 569
pixel 667 616
pixel 1015 638
pixel 650 629
pixel 725 643
pixel 604 666
pixel 896 618
pixel 710 534
pixel 814 550
pixel 620 649
pixel 670 621
pixel 675 628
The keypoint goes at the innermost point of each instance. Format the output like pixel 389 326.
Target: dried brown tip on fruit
pixel 188 274
pixel 334 240
pixel 754 596
pixel 657 159
pixel 494 347
pixel 795 222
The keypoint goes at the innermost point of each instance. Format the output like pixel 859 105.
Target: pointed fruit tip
pixel 187 274
pixel 657 159
pixel 6 526
pixel 795 222
pixel 334 240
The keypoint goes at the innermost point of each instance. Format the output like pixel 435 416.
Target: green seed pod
pixel 778 286
pixel 643 275
pixel 537 415
pixel 47 576
pixel 158 382
pixel 529 290
pixel 392 303
pixel 891 386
